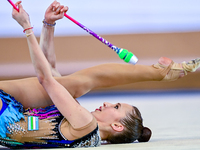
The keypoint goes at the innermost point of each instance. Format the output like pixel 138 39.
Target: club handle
pixel 122 53
pixel 92 33
pixel 14 6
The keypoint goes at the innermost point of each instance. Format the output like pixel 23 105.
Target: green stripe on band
pixel 31 123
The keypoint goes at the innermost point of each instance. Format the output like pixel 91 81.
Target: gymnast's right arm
pixel 53 13
pixel 59 95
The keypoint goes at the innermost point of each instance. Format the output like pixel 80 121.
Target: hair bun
pixel 146 135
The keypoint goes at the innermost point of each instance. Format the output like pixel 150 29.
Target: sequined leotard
pixel 37 128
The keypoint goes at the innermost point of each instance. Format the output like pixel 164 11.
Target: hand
pixel 55 12
pixel 22 16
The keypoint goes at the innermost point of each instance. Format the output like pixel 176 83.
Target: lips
pixel 100 108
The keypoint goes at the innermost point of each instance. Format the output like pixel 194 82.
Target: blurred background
pixel 109 17
pixel 148 28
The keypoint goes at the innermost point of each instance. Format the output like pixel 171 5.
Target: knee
pixel 81 89
pixel 80 85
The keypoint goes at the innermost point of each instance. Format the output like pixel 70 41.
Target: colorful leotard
pixel 37 128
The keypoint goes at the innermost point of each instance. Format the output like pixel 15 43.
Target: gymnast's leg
pixel 30 93
pixel 108 75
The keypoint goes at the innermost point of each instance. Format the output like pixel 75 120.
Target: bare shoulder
pixel 71 133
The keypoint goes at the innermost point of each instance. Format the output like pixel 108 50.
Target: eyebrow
pixel 119 104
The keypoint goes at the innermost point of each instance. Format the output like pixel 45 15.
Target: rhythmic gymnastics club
pixel 14 6
pixel 122 53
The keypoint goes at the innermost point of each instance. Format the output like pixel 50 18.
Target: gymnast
pixel 42 112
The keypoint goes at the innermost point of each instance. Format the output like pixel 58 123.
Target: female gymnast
pixel 43 112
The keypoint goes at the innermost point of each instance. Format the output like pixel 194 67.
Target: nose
pixel 106 104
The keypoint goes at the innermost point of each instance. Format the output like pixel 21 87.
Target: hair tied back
pixel 145 136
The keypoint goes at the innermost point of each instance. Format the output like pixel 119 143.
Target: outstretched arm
pixel 59 95
pixel 54 12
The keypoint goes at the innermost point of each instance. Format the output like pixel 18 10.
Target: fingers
pixel 55 5
pixel 18 4
pixel 57 8
pixel 20 7
pixel 61 10
pixel 21 17
pixel 65 9
pixel 15 6
pixel 55 12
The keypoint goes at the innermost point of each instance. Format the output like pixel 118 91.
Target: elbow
pixel 41 79
pixel 44 81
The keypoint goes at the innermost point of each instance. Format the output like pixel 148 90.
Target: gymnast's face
pixel 110 113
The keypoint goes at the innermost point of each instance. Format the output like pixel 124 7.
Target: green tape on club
pixel 127 56
pixel 122 53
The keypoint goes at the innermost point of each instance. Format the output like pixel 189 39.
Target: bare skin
pixel 31 94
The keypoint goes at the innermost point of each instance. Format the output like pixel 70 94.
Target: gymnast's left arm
pixel 62 99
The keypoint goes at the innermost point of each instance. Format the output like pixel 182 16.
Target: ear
pixel 117 127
